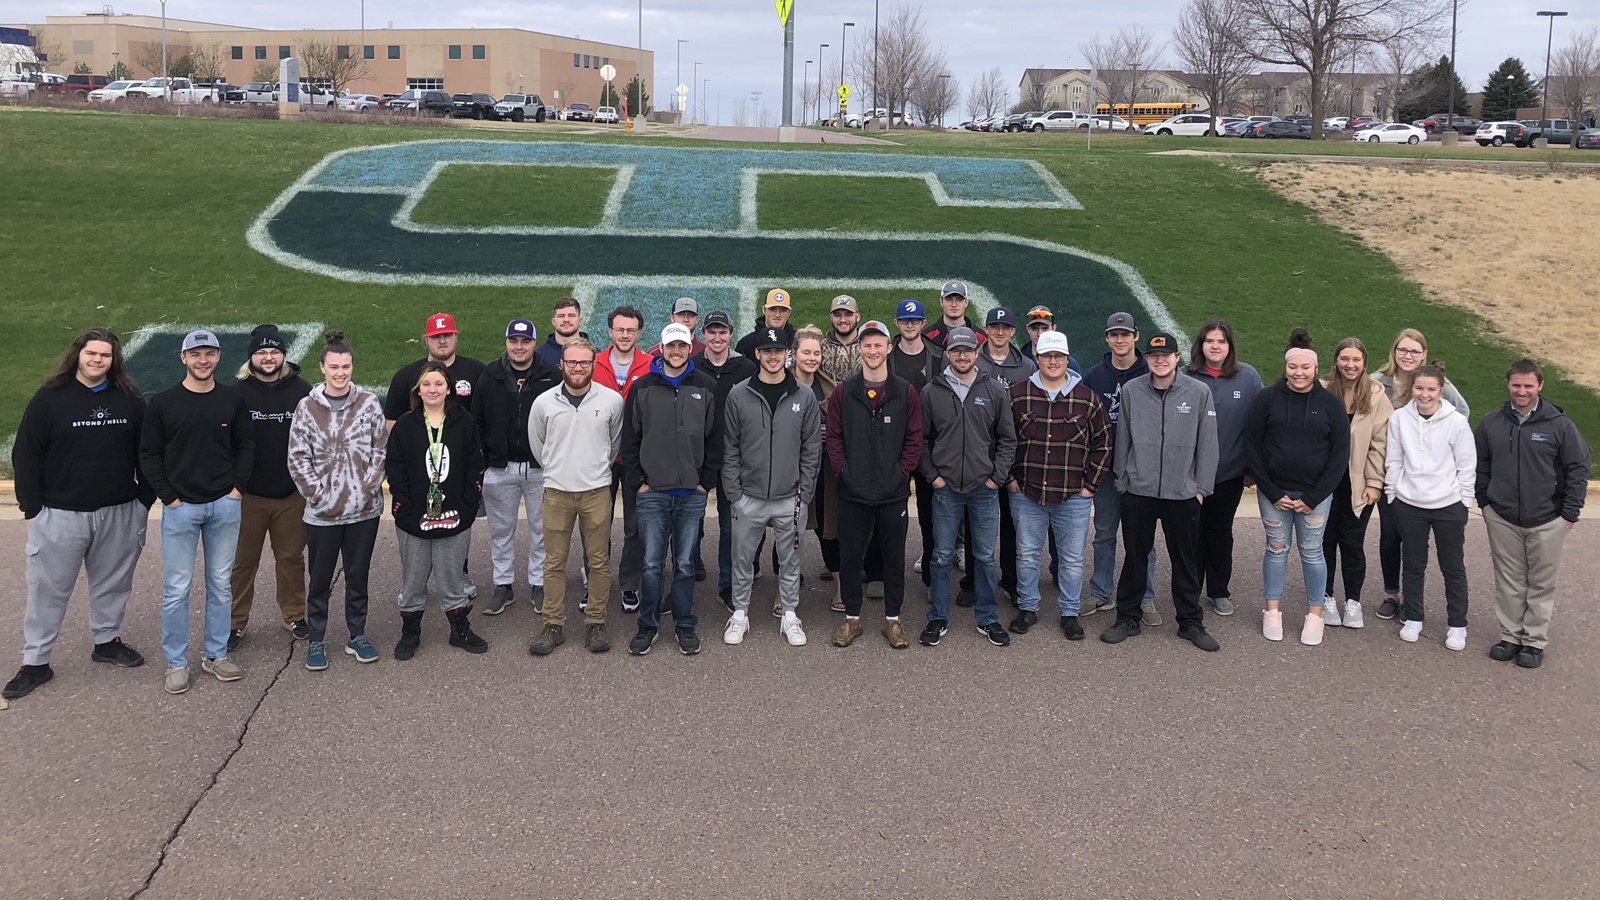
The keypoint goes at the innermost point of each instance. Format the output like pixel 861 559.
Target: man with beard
pixel 512 476
pixel 953 302
pixel 564 326
pixel 271 387
pixel 197 450
pixel 729 368
pixel 577 431
pixel 774 314
pixel 841 355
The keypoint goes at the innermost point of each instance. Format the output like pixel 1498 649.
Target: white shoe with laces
pixel 792 632
pixel 1330 612
pixel 1456 639
pixel 1352 614
pixel 737 626
pixel 1410 631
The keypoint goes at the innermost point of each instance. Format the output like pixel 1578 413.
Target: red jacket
pixel 605 376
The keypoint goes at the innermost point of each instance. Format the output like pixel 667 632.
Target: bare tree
pixel 149 59
pixel 736 111
pixel 1126 62
pixel 563 94
pixel 1207 44
pixel 1033 96
pixel 1314 35
pixel 903 55
pixel 809 93
pixel 208 60
pixel 333 63
pixel 48 49
pixel 935 92
pixel 264 71
pixel 1575 76
pixel 1400 57
pixel 987 95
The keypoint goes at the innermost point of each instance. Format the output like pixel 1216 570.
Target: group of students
pixel 1010 449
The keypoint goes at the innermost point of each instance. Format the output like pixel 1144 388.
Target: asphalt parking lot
pixel 1362 768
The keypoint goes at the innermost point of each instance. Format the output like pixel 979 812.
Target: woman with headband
pixel 1297 440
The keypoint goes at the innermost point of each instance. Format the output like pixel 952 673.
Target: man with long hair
pixel 77 468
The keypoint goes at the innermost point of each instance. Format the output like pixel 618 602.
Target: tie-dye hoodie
pixel 336 457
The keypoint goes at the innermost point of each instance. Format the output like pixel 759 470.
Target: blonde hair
pixel 581 344
pixel 1402 380
pixel 804 332
pixel 1355 392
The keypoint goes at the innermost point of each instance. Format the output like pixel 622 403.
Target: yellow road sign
pixel 844 91
pixel 784 8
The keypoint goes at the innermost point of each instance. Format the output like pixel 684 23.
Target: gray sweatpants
pixel 751 518
pixel 505 492
pixel 106 544
pixel 440 557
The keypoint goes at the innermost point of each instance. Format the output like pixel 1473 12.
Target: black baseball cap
pixel 770 338
pixel 1000 316
pixel 717 317
pixel 1161 342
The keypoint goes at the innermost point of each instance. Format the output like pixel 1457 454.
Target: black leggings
pixel 1389 546
pixel 1348 532
pixel 326 545
pixel 1216 538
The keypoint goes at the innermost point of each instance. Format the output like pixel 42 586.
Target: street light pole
pixel 841 57
pixel 1451 87
pixel 166 86
pixel 875 58
pixel 640 74
pixel 820 48
pixel 805 78
pixel 942 98
pixel 694 105
pixel 363 50
pixel 679 80
pixel 1544 112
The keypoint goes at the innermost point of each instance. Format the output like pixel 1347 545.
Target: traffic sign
pixel 608 71
pixel 784 8
pixel 844 91
pixel 683 89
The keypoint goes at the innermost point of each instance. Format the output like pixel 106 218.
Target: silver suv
pixel 1057 120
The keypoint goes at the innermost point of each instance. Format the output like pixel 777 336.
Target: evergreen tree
pixel 1430 92
pixel 1509 89
pixel 120 72
pixel 608 97
pixel 636 106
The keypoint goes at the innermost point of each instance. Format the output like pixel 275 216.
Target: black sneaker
pixel 1026 618
pixel 594 637
pixel 1389 608
pixel 699 569
pixel 117 653
pixel 630 601
pixel 1530 658
pixel 726 596
pixel 1196 635
pixel 499 601
pixel 965 597
pixel 642 642
pixel 996 633
pixel 935 629
pixel 299 629
pixel 1124 629
pixel 28 678
pixel 235 638
pixel 1071 628
pixel 1505 651
pixel 688 641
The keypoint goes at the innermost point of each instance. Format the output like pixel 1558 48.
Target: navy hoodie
pixel 1107 381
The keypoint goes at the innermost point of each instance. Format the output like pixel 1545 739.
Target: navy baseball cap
pixel 522 328
pixel 1000 316
pixel 909 309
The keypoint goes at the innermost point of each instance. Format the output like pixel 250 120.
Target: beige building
pixel 1265 93
pixel 492 60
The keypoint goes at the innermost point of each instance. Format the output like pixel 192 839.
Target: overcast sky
pixel 739 43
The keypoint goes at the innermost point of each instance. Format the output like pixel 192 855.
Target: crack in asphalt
pixel 216 774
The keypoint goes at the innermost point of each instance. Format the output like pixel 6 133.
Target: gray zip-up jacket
pixel 1531 472
pixel 1231 398
pixel 768 453
pixel 966 442
pixel 1014 370
pixel 1166 445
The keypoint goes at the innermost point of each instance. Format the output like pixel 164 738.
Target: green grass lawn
pixel 127 220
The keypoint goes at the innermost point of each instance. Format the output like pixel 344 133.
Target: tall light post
pixel 679 79
pixel 820 48
pixel 694 114
pixel 640 75
pixel 841 52
pixel 1544 112
pixel 703 113
pixel 875 57
pixel 1451 86
pixel 166 86
pixel 805 78
pixel 363 49
pixel 943 97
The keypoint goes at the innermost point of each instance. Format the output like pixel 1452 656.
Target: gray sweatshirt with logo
pixel 1166 440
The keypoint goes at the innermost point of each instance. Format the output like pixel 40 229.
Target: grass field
pixel 131 220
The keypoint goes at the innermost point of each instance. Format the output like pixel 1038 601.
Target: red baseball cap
pixel 439 323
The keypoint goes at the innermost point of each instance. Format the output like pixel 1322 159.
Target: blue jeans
pixel 668 522
pixel 981 507
pixel 1308 528
pixel 1071 523
pixel 215 526
pixel 1107 515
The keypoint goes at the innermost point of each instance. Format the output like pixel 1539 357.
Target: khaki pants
pixel 591 510
pixel 1525 564
pixel 283 521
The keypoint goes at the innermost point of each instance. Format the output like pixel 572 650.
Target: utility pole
pixel 820 48
pixel 875 104
pixel 363 46
pixel 841 60
pixel 1544 112
pixel 1451 87
pixel 694 105
pixel 639 101
pixel 166 84
pixel 805 78
pixel 679 79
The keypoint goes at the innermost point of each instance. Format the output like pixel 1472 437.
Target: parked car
pixel 180 91
pixel 518 107
pixel 1458 124
pixel 1495 134
pixel 1336 123
pixel 253 92
pixel 1019 122
pixel 1275 130
pixel 314 96
pixel 1555 131
pixel 1191 124
pixel 1589 139
pixel 359 103
pixel 471 106
pixel 1393 134
pixel 579 112
pixel 112 92
pixel 436 103
pixel 607 115
pixel 80 85
pixel 1299 120
pixel 1108 123
pixel 1264 118
pixel 1237 128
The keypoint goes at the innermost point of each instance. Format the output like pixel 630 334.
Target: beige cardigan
pixel 1369 439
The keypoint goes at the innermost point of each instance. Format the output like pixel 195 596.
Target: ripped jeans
pixel 1308 528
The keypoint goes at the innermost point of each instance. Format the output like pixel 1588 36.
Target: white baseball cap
pixel 1051 342
pixel 677 331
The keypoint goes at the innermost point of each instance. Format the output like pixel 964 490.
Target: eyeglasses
pixel 577 363
pixel 1403 352
pixel 617 330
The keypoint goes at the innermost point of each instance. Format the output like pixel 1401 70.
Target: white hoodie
pixel 1431 463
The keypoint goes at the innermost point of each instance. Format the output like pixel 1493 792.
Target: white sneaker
pixel 1456 639
pixel 1352 614
pixel 917 566
pixel 1410 631
pixel 737 626
pixel 792 632
pixel 1330 612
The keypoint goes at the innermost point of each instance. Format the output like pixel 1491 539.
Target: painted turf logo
pixel 685 222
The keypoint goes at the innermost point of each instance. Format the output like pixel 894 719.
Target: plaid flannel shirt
pixel 1063 445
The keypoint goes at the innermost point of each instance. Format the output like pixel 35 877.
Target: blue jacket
pixel 1107 381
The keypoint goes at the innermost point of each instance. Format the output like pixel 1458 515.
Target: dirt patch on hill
pixel 1496 243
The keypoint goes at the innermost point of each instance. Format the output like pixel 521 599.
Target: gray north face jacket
pixel 771 453
pixel 1166 444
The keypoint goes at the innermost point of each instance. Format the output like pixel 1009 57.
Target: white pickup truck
pixel 181 91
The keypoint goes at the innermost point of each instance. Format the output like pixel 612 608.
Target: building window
pixel 606 61
pixel 477 51
pixel 586 60
pixel 1077 90
pixel 575 58
pixel 455 51
pixel 394 51
pixel 342 51
pixel 424 84
pixel 236 53
pixel 261 52
pixel 369 52
pixel 283 51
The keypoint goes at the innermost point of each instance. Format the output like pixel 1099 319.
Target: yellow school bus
pixel 1146 113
